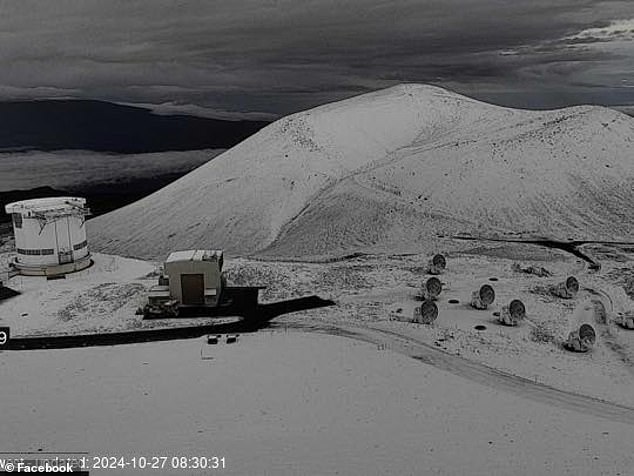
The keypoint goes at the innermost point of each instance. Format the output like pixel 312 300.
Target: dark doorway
pixel 65 257
pixel 193 289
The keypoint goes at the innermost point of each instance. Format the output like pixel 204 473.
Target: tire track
pixel 480 373
pixel 609 330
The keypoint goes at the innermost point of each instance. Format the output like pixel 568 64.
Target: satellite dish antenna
pixel 572 285
pixel 426 313
pixel 487 294
pixel 567 289
pixel 432 288
pixel 439 261
pixel 437 264
pixel 482 298
pixel 512 314
pixel 586 333
pixel 582 340
pixel 517 310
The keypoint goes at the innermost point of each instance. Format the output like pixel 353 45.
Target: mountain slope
pixel 389 171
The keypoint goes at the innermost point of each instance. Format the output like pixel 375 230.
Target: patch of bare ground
pixel 102 300
pixel 610 252
pixel 341 278
pixel 517 251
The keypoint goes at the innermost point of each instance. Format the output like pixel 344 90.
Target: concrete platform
pixel 53 270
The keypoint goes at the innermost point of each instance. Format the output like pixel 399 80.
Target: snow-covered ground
pixel 393 174
pixel 102 298
pixel 378 292
pixel 392 171
pixel 292 404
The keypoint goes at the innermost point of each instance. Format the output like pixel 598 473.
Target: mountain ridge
pixel 101 126
pixel 390 171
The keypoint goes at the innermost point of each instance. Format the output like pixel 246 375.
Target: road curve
pixel 480 373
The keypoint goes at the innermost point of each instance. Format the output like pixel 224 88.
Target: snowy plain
pixel 292 404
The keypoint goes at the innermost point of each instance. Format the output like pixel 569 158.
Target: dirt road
pixel 389 340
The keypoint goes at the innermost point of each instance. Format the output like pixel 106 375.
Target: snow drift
pixel 391 171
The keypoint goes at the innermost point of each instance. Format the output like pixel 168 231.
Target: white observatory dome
pixel 50 235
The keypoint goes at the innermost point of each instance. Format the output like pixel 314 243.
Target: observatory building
pixel 195 276
pixel 50 235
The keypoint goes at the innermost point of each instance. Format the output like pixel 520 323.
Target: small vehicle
pixel 213 339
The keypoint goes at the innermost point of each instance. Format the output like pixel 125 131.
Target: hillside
pixel 390 171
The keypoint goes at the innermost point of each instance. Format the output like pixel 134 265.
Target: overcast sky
pixel 263 57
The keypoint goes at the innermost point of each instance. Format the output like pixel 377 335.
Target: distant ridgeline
pixel 100 198
pixel 105 127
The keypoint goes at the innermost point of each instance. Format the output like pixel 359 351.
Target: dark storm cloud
pixel 282 55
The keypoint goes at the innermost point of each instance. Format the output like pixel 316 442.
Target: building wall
pixel 41 246
pixel 209 269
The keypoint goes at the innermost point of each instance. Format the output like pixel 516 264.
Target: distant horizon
pixel 264 59
pixel 175 109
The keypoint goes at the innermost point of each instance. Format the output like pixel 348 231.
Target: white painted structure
pixel 194 278
pixel 50 235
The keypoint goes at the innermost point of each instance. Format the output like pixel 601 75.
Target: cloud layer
pixel 278 56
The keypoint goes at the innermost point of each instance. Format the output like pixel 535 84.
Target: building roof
pixel 194 255
pixel 49 205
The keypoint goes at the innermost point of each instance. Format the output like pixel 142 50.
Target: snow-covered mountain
pixel 390 171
